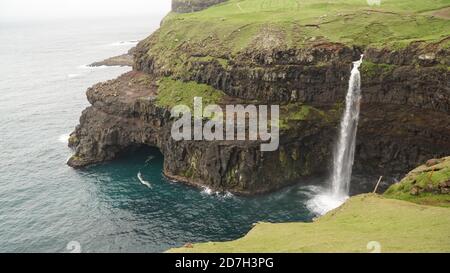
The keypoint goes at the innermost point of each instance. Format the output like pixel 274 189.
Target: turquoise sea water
pixel 44 204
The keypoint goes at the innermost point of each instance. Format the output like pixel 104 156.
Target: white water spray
pixel 344 153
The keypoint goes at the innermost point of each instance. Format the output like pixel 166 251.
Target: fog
pixel 51 9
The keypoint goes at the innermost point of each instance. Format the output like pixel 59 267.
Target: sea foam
pixel 64 138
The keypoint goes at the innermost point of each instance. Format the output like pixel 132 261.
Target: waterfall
pixel 345 147
pixel 344 152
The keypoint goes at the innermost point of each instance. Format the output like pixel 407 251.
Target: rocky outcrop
pixel 121 60
pixel 427 184
pixel 124 115
pixel 186 6
pixel 405 117
pixel 404 121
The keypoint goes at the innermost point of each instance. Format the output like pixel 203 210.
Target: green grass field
pixel 398 226
pixel 223 32
pixel 235 24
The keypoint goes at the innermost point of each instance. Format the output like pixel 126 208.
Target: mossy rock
pixel 427 184
pixel 372 70
pixel 173 92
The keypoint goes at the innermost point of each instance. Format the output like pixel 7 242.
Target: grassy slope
pixel 221 32
pixel 398 226
pixel 232 26
pixel 423 185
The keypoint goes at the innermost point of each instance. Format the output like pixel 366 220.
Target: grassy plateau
pixel 236 25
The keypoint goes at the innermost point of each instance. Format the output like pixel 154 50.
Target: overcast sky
pixel 49 9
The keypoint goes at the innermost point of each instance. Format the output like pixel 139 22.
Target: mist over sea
pixel 44 204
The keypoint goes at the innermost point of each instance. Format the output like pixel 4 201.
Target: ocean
pixel 46 206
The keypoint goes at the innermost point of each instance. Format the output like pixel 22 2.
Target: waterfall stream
pixel 344 152
pixel 345 148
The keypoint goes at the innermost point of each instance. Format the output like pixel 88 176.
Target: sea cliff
pixel 298 57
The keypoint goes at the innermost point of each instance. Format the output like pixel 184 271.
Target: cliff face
pixel 404 115
pixel 124 114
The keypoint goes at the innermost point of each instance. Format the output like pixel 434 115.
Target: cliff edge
pixel 186 6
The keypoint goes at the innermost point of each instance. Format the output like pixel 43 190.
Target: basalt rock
pixel 124 115
pixel 405 116
pixel 319 74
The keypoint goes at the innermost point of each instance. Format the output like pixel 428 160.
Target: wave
pixel 124 43
pixel 143 182
pixel 210 192
pixel 89 67
pixel 64 138
pixel 228 195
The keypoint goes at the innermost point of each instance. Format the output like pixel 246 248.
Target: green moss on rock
pixel 292 113
pixel 371 70
pixel 175 92
pixel 427 184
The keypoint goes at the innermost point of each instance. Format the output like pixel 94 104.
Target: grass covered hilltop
pixel 234 24
pixel 398 226
pixel 228 29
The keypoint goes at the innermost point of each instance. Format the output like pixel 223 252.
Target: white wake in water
pixel 143 182
pixel 344 153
